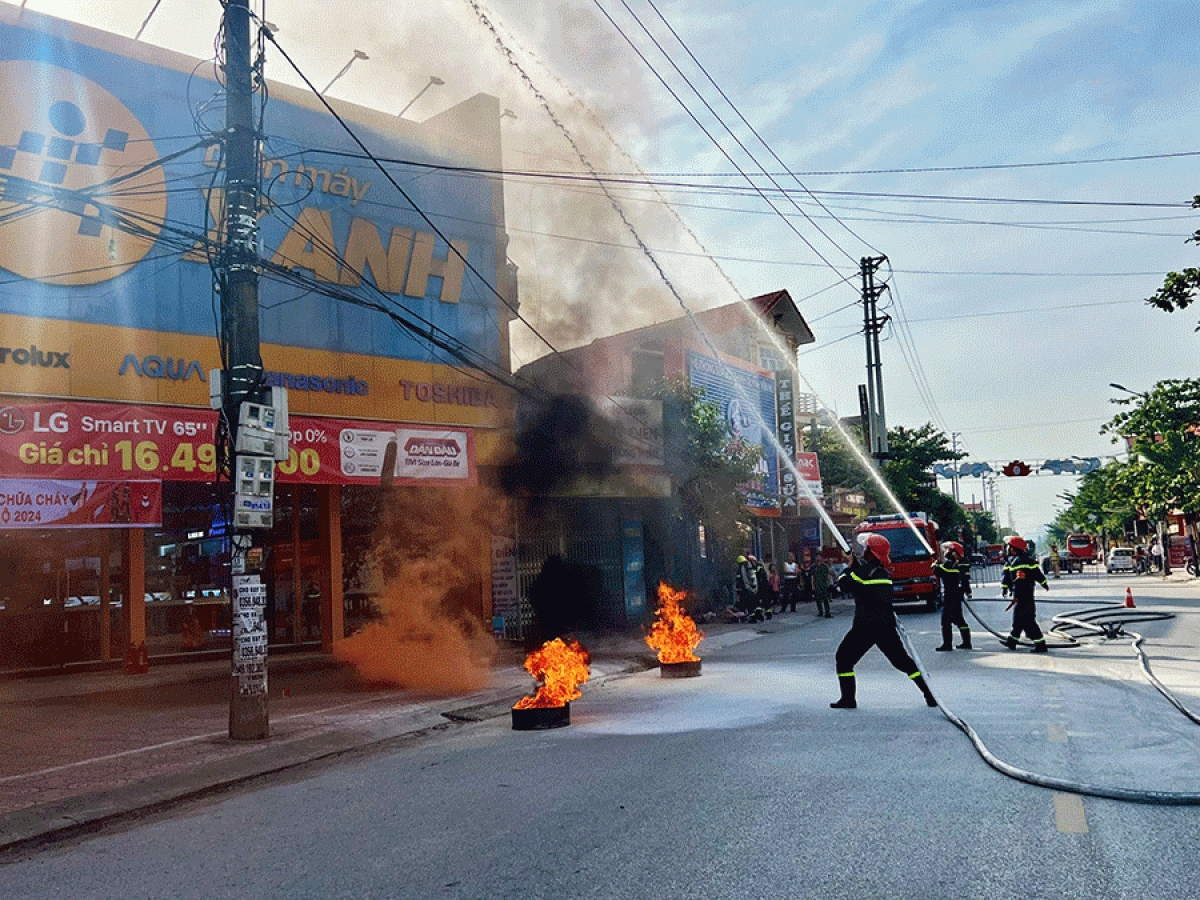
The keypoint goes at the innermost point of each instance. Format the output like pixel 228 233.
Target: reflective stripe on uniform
pixel 862 580
pixel 915 675
pixel 845 674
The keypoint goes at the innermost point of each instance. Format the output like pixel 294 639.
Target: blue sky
pixel 1012 318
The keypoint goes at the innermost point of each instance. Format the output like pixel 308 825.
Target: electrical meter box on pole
pixel 262 439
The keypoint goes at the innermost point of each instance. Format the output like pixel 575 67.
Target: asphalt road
pixel 741 783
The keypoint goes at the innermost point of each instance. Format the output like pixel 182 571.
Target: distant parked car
pixel 1121 559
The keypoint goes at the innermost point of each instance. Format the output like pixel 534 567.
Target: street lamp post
pixel 358 54
pixel 1121 387
pixel 433 81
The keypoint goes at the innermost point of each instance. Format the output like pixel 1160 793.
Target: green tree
pixel 1163 428
pixel 841 467
pixel 1102 504
pixel 983 526
pixel 1179 288
pixel 909 473
pixel 709 469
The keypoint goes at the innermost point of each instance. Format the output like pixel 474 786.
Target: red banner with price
pixel 105 441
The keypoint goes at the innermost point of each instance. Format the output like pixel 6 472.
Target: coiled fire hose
pixel 1111 620
pixel 1092 620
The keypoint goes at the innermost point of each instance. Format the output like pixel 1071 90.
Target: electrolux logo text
pixel 32 356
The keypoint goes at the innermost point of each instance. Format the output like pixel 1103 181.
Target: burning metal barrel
pixel 674 635
pixel 689 668
pixel 559 667
pixel 536 718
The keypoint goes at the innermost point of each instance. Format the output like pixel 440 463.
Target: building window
pixel 646 373
pixel 770 359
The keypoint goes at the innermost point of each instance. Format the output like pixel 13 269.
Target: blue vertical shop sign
pixel 747 400
pixel 633 564
pixel 785 397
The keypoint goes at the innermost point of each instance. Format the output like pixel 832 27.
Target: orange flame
pixel 674 635
pixel 559 669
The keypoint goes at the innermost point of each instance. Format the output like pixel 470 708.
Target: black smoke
pixel 565 596
pixel 563 440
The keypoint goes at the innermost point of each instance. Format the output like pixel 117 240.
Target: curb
pixel 39 825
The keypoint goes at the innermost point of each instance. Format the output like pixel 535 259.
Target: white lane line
pixel 111 756
pixel 178 741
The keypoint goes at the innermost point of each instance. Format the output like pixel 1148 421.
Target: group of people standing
pixel 875 624
pixel 868 580
pixel 761 589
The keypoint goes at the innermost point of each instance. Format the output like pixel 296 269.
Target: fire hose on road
pixel 1106 622
pixel 1109 622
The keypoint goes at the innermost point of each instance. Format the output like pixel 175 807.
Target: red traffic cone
pixel 1129 599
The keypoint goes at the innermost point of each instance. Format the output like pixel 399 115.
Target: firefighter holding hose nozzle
pixel 955 576
pixel 1021 575
pixel 875 624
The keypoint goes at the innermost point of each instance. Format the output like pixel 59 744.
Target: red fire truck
pixel 1083 547
pixel 912 557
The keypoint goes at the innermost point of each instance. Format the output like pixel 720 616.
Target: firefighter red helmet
pixel 875 544
pixel 1016 542
pixel 949 547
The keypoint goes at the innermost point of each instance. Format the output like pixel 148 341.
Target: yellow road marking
pixel 1069 815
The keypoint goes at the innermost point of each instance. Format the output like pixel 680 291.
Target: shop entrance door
pixel 294 569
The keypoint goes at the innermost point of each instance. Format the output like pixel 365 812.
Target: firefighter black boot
pixel 1010 642
pixel 846 683
pixel 1039 646
pixel 919 681
pixel 946 645
pixel 965 631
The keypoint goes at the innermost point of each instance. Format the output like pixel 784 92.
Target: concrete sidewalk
pixel 84 749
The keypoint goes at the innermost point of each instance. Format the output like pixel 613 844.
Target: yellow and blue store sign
pixel 107 194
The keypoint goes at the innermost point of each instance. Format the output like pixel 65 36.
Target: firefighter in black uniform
pixel 1021 575
pixel 955 575
pixel 745 586
pixel 874 620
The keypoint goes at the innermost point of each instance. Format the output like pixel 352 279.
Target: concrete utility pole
pixel 872 324
pixel 242 377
